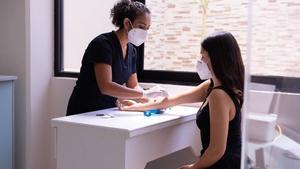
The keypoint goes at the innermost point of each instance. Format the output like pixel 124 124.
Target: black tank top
pixel 232 155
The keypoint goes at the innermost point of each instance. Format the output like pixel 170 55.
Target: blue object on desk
pixel 152 112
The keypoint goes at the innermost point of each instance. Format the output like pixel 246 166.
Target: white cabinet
pixel 123 140
pixel 281 153
pixel 7 122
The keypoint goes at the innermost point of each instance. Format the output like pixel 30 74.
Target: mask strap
pixel 130 23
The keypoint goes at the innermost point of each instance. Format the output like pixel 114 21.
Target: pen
pixel 105 115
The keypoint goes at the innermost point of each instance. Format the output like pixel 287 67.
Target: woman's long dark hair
pixel 226 59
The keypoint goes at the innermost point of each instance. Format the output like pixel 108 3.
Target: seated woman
pixel 219 117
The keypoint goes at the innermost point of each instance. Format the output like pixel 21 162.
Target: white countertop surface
pixel 6 78
pixel 132 123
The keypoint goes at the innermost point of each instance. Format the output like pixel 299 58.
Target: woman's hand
pixel 133 105
pixel 189 166
pixel 125 104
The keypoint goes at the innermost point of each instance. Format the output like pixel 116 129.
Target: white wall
pixel 13 62
pixel 40 68
pixel 26 50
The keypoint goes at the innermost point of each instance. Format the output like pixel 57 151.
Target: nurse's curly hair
pixel 127 9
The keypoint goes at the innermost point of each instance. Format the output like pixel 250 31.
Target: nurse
pixel 108 69
pixel 219 117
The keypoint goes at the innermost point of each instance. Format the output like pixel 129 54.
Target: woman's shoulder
pixel 233 94
pixel 104 37
pixel 218 92
pixel 219 95
pixel 101 43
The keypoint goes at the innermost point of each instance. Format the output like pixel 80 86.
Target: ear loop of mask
pixel 130 23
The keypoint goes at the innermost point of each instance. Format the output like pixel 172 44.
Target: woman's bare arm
pixel 197 94
pixel 220 106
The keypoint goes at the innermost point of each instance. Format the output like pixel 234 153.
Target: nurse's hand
pixel 154 92
pixel 122 103
pixel 142 100
pixel 127 105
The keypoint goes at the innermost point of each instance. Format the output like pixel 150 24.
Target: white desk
pixel 127 141
pixel 274 155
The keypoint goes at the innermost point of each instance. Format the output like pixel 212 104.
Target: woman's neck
pixel 123 37
pixel 216 81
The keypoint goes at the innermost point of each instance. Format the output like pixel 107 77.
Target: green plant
pixel 204 5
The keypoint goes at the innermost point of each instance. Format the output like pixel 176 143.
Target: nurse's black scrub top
pixel 105 48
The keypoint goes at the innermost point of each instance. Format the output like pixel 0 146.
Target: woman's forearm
pixel 210 157
pixel 152 104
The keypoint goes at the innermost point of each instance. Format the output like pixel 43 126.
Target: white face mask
pixel 203 71
pixel 137 36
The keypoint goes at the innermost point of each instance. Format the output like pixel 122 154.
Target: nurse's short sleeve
pixel 100 51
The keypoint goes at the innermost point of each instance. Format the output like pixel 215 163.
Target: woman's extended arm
pixel 197 94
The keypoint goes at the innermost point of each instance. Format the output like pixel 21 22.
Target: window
pixel 275 55
pixel 72 36
pixel 173 45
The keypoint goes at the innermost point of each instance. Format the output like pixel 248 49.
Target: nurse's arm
pixel 103 73
pixel 133 82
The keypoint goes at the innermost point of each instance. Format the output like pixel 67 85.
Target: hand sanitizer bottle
pixel 153 111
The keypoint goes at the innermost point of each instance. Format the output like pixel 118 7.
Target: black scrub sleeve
pixel 100 51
